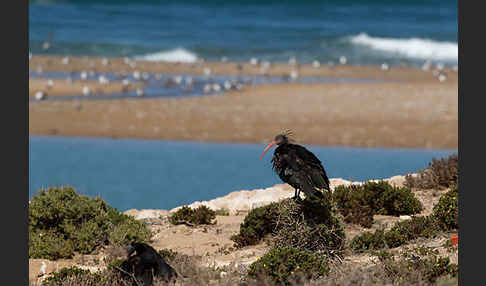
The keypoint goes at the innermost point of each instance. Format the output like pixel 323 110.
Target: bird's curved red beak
pixel 273 143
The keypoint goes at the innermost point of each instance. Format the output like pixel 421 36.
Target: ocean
pixel 403 32
pixel 152 174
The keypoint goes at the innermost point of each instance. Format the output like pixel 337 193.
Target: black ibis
pixel 298 167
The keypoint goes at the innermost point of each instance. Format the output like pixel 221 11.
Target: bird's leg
pixel 296 194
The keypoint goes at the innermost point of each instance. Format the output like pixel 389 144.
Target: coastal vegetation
pixel 306 239
pixel 440 174
pixel 358 203
pixel 62 222
pixel 193 217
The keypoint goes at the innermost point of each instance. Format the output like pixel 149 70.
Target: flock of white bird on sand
pixel 187 82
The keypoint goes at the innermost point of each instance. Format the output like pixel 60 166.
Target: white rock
pixel 254 61
pixel 405 217
pixel 316 64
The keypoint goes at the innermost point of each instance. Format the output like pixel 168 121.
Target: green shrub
pixel 77 276
pixel 193 217
pixel 62 222
pixel 420 261
pixel 446 211
pixel 358 203
pixel 284 264
pixel 258 223
pixel 308 225
pixel 440 173
pixel 399 234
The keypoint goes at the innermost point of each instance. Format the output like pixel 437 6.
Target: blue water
pixel 132 173
pixel 239 30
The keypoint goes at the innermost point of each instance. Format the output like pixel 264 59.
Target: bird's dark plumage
pixel 300 168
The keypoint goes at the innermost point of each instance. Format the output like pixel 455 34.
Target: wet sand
pixel 413 110
pixel 63 88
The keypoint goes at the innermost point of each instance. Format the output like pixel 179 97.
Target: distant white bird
pixel 294 75
pixel 385 67
pixel 439 66
pixel 40 95
pixel 216 87
pixel 292 61
pixel 103 80
pixel 125 82
pixel 84 75
pixel 253 61
pixel 178 79
pixel 46 45
pixel 227 85
pixel 316 64
pixel 50 83
pixel 86 90
pixel 442 77
pixel 140 92
pixel 426 66
pixel 105 61
pixel 65 60
pixel 343 60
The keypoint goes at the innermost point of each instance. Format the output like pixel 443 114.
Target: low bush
pixel 285 264
pixel 258 223
pixel 446 211
pixel 62 222
pixel 193 217
pixel 304 225
pixel 426 263
pixel 308 225
pixel 358 203
pixel 440 174
pixel 399 234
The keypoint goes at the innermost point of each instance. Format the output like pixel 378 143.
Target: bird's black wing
pixel 307 161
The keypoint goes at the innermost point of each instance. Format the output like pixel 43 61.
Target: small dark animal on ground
pixel 146 264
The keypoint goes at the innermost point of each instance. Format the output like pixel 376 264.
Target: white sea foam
pixel 175 55
pixel 412 47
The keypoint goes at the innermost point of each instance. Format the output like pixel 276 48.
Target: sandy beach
pixel 410 109
pixel 63 88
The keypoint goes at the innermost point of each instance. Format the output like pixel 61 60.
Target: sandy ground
pixel 408 74
pixel 412 109
pixel 213 242
pixel 62 87
pixel 416 115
